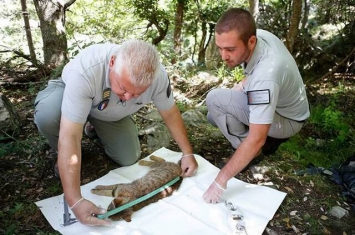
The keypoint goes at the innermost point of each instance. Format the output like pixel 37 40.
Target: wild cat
pixel 160 173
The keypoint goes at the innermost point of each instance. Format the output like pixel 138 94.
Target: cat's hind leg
pixel 105 190
pixel 107 187
pixel 156 158
pixel 153 158
pixel 145 163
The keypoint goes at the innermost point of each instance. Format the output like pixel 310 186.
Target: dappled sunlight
pixel 73 160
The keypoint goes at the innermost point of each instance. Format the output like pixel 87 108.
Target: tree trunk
pixel 305 14
pixel 162 28
pixel 205 42
pixel 254 8
pixel 179 19
pixel 202 48
pixel 51 14
pixel 28 32
pixel 294 24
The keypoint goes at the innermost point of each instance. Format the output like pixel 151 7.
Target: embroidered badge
pixel 105 99
pixel 258 97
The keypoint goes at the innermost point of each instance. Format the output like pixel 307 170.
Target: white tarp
pixel 185 212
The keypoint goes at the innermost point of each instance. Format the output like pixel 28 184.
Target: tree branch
pixel 334 69
pixel 22 55
pixel 68 4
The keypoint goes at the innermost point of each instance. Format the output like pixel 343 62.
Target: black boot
pixel 272 144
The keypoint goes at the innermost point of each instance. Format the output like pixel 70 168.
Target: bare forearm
pixel 240 159
pixel 69 162
pixel 244 154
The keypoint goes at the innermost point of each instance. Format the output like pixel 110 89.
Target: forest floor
pixel 26 176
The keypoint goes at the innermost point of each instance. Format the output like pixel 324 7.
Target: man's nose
pixel 224 55
pixel 128 96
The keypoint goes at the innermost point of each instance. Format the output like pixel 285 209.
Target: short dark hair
pixel 239 20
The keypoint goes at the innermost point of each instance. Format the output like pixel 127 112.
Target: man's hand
pixel 188 165
pixel 85 212
pixel 214 193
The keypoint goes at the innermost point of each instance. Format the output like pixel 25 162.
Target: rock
pixel 338 212
pixel 270 231
pixel 153 115
pixel 213 58
pixel 217 134
pixel 9 119
pixel 203 109
pixel 258 172
pixel 158 136
pixel 194 118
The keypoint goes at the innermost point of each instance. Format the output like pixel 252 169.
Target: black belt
pixel 292 119
pixel 301 121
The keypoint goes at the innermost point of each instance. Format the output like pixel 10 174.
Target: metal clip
pixel 236 219
pixel 66 216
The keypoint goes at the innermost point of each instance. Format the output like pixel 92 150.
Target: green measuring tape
pixel 138 200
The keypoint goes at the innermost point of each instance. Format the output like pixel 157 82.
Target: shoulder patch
pixel 258 97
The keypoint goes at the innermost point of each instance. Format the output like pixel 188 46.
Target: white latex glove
pixel 214 193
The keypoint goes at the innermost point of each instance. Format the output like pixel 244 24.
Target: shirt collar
pixel 257 55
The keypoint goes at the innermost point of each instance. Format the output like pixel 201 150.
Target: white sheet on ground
pixel 184 212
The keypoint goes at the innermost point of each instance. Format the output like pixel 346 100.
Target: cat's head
pixel 125 214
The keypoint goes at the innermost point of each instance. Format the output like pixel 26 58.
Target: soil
pixel 27 176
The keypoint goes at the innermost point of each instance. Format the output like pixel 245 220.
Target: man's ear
pixel 112 61
pixel 252 42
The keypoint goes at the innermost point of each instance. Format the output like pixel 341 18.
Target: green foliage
pixel 182 105
pixel 19 207
pixel 55 189
pixel 222 72
pixel 14 214
pixel 330 137
pixel 236 74
pixel 330 124
pixel 32 145
pixel 57 72
pixel 91 22
pixel 11 214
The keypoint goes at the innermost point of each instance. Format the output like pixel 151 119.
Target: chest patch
pixel 258 97
pixel 105 99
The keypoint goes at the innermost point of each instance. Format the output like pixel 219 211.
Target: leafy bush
pixel 327 137
pixel 331 125
pixel 236 74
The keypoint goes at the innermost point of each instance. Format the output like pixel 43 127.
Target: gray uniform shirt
pixel 86 77
pixel 274 83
